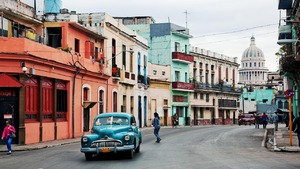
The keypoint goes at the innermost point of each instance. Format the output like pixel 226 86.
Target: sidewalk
pixel 280 140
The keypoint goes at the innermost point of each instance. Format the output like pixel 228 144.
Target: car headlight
pixel 84 139
pixel 127 138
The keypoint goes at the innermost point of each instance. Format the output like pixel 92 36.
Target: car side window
pixel 133 123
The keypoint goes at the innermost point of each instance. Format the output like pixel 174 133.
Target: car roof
pixel 108 114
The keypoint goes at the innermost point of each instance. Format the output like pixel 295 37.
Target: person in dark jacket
pixel 156 126
pixel 296 127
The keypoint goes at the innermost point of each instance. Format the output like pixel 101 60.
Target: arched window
pixel 101 101
pixel 115 102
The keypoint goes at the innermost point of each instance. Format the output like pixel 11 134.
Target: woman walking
pixel 156 127
pixel 7 135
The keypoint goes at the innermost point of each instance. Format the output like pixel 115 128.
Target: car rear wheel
pixel 88 156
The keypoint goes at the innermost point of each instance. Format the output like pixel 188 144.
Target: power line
pixel 234 38
pixel 236 31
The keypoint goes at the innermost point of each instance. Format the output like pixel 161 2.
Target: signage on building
pixel 289 93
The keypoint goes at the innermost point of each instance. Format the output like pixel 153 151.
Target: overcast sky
pixel 221 26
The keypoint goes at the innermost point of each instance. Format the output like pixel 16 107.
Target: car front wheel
pixel 130 154
pixel 88 156
pixel 137 150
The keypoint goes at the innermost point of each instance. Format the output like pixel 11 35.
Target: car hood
pixel 111 130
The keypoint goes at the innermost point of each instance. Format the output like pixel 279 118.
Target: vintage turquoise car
pixel 111 133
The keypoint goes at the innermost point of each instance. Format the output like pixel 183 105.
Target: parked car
pixel 112 133
pixel 246 119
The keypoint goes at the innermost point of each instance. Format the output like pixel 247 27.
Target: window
pixel 201 96
pixel 177 76
pixel 227 114
pixel 115 101
pixel 254 64
pixel 62 101
pixel 47 100
pixel 31 99
pixel 163 73
pixel 154 72
pixel 61 106
pixel 207 97
pixel 77 49
pixel 166 102
pixel 124 56
pixel 177 47
pixel 246 65
pixel 101 101
pixel 201 112
pixel 195 95
pixel 250 64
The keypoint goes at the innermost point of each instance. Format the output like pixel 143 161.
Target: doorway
pixel 9 110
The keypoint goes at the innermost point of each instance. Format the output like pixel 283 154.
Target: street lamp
pixel 130 51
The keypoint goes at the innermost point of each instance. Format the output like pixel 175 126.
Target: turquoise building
pixel 169 45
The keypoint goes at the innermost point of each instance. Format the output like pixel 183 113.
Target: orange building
pixel 51 79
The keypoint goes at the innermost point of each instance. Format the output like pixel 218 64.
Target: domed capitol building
pixel 253 70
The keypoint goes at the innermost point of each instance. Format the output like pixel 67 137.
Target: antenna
pixel 186 13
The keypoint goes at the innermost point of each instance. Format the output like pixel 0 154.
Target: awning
pixel 8 81
pixel 88 104
pixel 283 111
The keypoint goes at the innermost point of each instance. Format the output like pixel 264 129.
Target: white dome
pixel 253 69
pixel 253 53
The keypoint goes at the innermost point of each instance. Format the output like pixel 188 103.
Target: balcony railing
pixel 181 57
pixel 285 35
pixel 116 73
pixel 183 86
pixel 216 87
pixel 143 80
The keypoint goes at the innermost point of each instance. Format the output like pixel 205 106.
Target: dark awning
pixel 8 81
pixel 283 111
pixel 88 104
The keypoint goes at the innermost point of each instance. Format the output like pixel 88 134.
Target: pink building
pixel 51 91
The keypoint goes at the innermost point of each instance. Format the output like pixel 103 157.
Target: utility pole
pixel 186 13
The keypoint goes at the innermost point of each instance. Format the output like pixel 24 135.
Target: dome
pixel 253 53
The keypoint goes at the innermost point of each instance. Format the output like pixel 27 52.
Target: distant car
pixel 246 119
pixel 112 133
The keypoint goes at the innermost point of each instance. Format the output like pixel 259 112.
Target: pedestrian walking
pixel 296 127
pixel 156 126
pixel 174 120
pixel 8 134
pixel 275 121
pixel 264 120
pixel 257 120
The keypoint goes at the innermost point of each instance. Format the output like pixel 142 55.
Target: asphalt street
pixel 207 147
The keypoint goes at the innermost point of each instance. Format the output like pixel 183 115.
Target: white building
pixel 215 99
pixel 253 70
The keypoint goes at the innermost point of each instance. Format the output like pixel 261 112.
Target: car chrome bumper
pixel 101 149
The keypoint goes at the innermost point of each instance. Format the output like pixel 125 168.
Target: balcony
pixel 216 88
pixel 181 57
pixel 115 73
pixel 127 78
pixel 285 4
pixel 183 86
pixel 285 35
pixel 143 82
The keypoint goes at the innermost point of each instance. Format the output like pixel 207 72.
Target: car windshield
pixel 248 116
pixel 111 120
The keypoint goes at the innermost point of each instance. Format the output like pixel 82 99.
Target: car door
pixel 135 130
